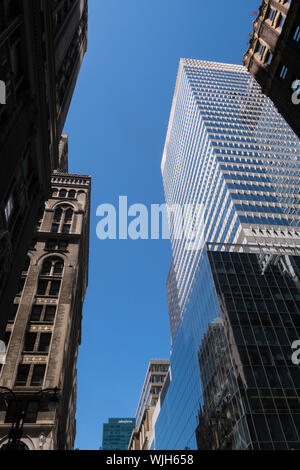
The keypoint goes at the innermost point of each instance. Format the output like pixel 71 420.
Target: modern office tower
pixel 44 330
pixel 142 435
pixel 232 157
pixel 234 384
pixel 173 301
pixel 116 433
pixel 273 56
pixel 42 44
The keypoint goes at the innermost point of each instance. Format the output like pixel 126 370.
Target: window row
pixel 37 342
pixel 30 375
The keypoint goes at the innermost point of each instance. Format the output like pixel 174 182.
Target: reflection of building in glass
pixel 233 349
pixel 173 301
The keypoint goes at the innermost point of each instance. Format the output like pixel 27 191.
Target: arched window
pixel 62 193
pixel 57 214
pixel 72 193
pixel 58 267
pixel 62 219
pixel 46 269
pixel 68 215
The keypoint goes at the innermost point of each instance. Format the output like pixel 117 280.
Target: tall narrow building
pixel 143 435
pixel 42 44
pixel 44 330
pixel 231 156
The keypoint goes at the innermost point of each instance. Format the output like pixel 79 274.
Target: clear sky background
pixel 117 126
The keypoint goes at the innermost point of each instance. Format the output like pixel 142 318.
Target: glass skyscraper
pixel 230 153
pixel 117 433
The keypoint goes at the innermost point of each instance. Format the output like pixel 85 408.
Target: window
pixel 36 313
pixel 50 314
pixel 261 49
pixel 22 375
pixel 48 287
pixel 30 339
pixel 38 375
pixel 280 21
pixel 44 343
pixel 43 313
pixel 57 214
pixel 72 194
pixel 269 57
pixel 54 288
pixel 42 287
pixel 56 245
pixel 52 266
pixel 30 407
pixel 283 72
pixel 296 36
pixel 54 228
pixel 272 14
pixel 62 193
pixel 62 219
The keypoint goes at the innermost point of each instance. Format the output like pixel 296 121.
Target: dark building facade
pixel 234 350
pixel 42 45
pixel 273 56
pixel 44 330
pixel 116 433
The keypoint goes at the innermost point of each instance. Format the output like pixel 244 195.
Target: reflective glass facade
pixel 234 385
pixel 229 151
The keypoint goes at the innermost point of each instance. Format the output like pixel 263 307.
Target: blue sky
pixel 117 126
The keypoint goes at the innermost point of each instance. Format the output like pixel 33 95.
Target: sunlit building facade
pixel 230 153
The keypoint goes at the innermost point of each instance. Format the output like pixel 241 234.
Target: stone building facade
pixel 42 45
pixel 44 330
pixel 273 56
